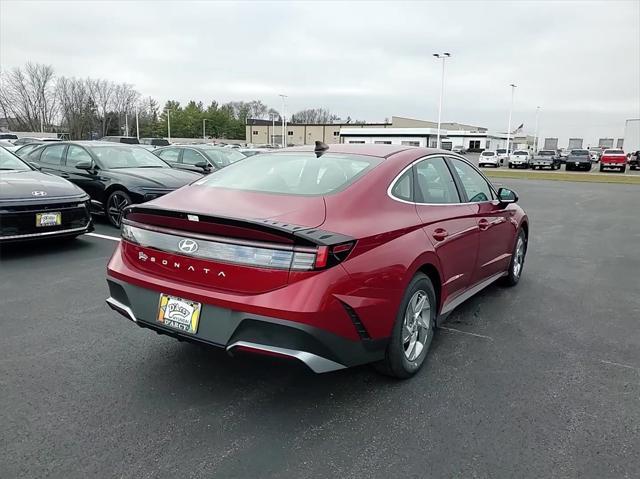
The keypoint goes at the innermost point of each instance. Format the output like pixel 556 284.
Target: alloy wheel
pixel 117 202
pixel 518 261
pixel 416 328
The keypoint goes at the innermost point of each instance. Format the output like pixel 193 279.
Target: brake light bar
pixel 263 255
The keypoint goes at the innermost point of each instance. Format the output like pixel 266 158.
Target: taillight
pixel 247 253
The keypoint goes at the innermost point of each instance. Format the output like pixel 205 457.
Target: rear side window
pixel 403 187
pixel 52 155
pixel 295 173
pixel 435 185
pixel 170 154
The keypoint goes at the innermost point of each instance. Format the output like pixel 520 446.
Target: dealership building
pixel 400 131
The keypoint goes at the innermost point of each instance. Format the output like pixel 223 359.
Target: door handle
pixel 439 234
pixel 483 224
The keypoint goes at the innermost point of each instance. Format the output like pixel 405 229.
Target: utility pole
pixel 284 124
pixel 513 89
pixel 169 126
pixel 137 124
pixel 204 135
pixel 443 57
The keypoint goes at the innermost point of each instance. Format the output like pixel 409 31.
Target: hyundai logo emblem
pixel 188 246
pixel 39 193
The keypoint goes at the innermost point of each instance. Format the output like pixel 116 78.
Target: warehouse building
pixel 400 131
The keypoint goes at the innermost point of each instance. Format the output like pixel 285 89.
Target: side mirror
pixel 204 165
pixel 85 165
pixel 506 196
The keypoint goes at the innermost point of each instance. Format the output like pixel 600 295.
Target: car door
pixel 170 156
pixel 88 180
pixel 493 220
pixel 191 157
pixel 448 223
pixel 50 160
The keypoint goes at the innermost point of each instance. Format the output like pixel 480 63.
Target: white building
pixel 472 140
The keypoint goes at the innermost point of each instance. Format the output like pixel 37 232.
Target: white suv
pixel 489 158
pixel 519 159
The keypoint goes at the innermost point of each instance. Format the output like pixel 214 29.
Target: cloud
pixel 579 61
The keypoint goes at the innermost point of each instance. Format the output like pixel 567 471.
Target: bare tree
pixel 76 106
pixel 27 96
pixel 102 93
pixel 313 115
pixel 125 97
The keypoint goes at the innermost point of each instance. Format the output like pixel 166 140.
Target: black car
pixel 578 160
pixel 35 205
pixel 634 160
pixel 546 159
pixel 115 175
pixel 128 140
pixel 154 141
pixel 199 158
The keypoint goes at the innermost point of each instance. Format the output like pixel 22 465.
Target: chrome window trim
pixel 439 155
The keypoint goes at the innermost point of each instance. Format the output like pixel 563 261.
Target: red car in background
pixel 613 159
pixel 336 256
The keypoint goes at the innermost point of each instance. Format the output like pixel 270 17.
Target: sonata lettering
pixel 143 257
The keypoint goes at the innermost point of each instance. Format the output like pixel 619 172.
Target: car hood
pixel 22 184
pixel 170 178
pixel 210 201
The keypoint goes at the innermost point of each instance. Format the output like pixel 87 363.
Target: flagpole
pixel 513 88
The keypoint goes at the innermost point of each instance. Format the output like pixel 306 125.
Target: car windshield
pixel 579 152
pixel 488 153
pixel 121 156
pixel 299 173
pixel 222 157
pixel 9 161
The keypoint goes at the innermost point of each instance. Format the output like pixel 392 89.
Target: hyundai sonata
pixel 335 256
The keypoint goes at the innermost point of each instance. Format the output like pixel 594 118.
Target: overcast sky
pixel 579 61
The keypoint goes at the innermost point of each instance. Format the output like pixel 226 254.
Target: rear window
pixel 488 153
pixel 520 152
pixel 579 152
pixel 546 153
pixel 295 173
pixel 613 152
pixel 501 150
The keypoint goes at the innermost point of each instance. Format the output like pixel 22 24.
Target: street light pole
pixel 443 57
pixel 535 137
pixel 513 89
pixel 169 126
pixel 204 135
pixel 284 125
pixel 137 124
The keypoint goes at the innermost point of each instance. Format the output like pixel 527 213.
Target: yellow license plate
pixel 180 314
pixel 48 219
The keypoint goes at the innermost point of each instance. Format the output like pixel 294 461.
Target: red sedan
pixel 336 256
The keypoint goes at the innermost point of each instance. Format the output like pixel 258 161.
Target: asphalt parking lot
pixel 542 380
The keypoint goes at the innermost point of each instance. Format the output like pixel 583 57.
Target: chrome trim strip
pixel 498 258
pixel 438 155
pixel 48 233
pixel 316 363
pixel 118 307
pixel 458 300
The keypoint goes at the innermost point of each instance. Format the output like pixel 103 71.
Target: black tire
pixel 510 165
pixel 623 169
pixel 588 168
pixel 116 202
pixel 396 364
pixel 601 168
pixel 514 274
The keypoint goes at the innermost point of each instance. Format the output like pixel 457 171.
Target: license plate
pixel 178 313
pixel 48 219
pixel 577 163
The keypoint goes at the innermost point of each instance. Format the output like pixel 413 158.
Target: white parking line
pixel 620 365
pixel 97 235
pixel 466 332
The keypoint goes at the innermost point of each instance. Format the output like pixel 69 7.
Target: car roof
pixel 367 149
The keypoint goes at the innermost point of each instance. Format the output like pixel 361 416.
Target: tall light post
pixel 169 125
pixel 204 135
pixel 443 57
pixel 535 137
pixel 513 89
pixel 137 124
pixel 284 125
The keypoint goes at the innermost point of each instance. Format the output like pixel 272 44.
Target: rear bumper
pixel 235 330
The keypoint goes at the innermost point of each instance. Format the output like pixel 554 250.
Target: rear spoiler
pixel 301 234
